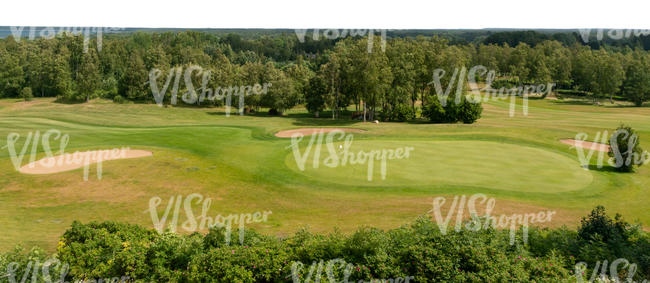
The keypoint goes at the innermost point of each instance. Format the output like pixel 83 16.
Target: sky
pixel 378 14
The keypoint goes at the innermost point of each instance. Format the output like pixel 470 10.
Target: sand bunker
pixel 587 145
pixel 72 161
pixel 311 131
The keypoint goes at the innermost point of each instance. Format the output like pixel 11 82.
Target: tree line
pixel 326 74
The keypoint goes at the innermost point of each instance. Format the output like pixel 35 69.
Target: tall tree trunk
pixel 337 104
pixel 424 96
pixel 413 98
pixel 364 112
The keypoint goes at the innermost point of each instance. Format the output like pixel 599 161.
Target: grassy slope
pixel 244 168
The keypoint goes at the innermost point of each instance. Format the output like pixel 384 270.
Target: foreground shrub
pixel 107 249
pixel 598 239
pixel 263 263
pixel 18 264
pixel 419 251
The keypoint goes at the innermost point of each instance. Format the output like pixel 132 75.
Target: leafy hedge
pixel 420 250
pixel 453 111
pixel 399 113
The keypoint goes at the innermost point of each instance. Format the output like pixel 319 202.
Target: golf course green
pixel 242 166
pixel 501 166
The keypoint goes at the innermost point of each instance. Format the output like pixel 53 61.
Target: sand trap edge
pixel 38 168
pixel 586 145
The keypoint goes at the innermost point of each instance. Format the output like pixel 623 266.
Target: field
pixel 239 163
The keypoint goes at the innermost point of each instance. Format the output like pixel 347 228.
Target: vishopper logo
pixel 35 271
pixel 462 77
pixel 63 159
pixel 193 95
pixel 39 271
pixel 614 34
pixel 334 269
pixel 202 221
pixel 486 220
pixel 619 158
pixel 343 155
pixel 607 275
pixel 336 34
pixel 52 32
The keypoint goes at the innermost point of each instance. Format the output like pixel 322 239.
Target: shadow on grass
pixel 645 105
pixel 591 103
pixel 69 101
pixel 302 119
pixel 325 118
pixel 582 100
pixel 419 122
pixel 325 122
pixel 573 102
pixel 185 105
pixel 607 168
pixel 235 113
pixel 536 97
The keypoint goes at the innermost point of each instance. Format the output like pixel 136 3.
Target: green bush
pixel 399 113
pixel 71 96
pixel 266 262
pixel 26 94
pixel 505 83
pixel 625 150
pixel 18 264
pixel 107 249
pixel 437 113
pixel 108 87
pixel 597 239
pixel 118 99
pixel 572 92
pixel 469 112
pixel 453 111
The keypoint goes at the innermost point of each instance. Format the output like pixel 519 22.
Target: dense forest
pixel 391 77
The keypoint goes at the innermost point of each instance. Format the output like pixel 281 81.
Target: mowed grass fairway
pixel 240 164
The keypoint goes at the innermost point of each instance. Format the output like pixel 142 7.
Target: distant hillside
pixel 499 36
pixel 468 35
